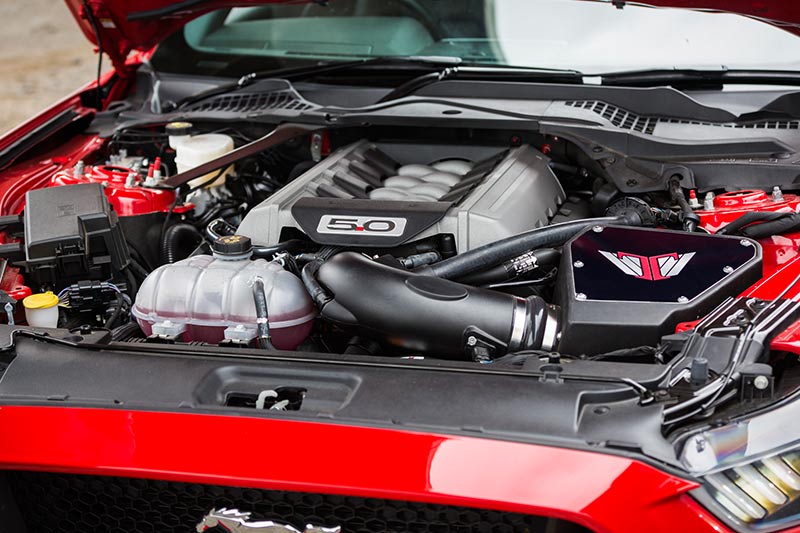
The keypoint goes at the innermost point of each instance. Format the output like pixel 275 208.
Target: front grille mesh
pixel 73 503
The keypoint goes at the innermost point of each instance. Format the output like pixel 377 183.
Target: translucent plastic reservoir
pixel 194 150
pixel 210 299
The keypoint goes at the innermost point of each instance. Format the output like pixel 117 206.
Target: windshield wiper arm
pixel 297 73
pixel 691 78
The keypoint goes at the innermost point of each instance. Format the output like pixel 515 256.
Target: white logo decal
pixel 653 268
pixel 362 225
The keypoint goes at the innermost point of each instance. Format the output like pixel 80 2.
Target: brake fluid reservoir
pixel 209 299
pixel 194 150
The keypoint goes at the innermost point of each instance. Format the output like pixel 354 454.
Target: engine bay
pixel 333 242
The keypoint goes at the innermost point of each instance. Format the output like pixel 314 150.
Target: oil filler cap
pixel 232 245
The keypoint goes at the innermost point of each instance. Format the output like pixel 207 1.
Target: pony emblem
pixel 236 521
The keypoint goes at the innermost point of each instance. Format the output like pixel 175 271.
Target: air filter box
pixel 622 287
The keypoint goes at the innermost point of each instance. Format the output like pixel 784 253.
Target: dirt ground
pixel 43 57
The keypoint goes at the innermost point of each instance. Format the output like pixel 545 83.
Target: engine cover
pixel 625 287
pixel 355 197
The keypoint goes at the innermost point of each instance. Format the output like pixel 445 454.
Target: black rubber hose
pixel 292 245
pixel 116 313
pixel 133 286
pixel 545 257
pixel 219 228
pixel 489 255
pixel 138 269
pixel 179 241
pixel 760 224
pixel 315 290
pixel 262 315
pixel 780 226
pixel 125 331
pixel 690 219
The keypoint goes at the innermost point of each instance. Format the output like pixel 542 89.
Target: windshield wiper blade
pixel 691 78
pixel 305 71
pixel 485 73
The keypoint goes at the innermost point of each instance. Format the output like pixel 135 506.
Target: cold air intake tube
pixel 431 315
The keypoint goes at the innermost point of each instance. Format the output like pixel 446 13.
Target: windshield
pixel 591 37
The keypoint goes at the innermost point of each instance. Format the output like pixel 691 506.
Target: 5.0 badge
pixel 362 225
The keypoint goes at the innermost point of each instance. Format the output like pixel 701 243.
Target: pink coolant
pixel 210 299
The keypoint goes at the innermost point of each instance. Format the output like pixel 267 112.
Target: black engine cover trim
pixel 350 229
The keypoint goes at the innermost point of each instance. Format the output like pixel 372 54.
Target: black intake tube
pixel 489 255
pixel 431 315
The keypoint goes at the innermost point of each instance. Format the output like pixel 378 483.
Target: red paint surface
pixel 731 205
pixel 127 201
pixel 35 173
pixel 604 492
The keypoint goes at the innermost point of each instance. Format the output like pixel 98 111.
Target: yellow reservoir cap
pixel 43 300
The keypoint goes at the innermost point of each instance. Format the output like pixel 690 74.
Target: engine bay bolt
pixel 578 264
pixel 597 229
pixel 761 382
pixel 682 299
pixel 471 340
pixel 78 169
pixel 745 242
pixel 728 269
pixel 130 180
pixel 580 296
pixel 708 201
pixel 777 194
pixel 694 203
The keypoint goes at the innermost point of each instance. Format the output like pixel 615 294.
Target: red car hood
pixel 121 31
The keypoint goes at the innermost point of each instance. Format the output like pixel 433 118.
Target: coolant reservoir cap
pixel 232 245
pixel 43 300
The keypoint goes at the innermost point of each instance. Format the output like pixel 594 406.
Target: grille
pixel 627 120
pixel 241 102
pixel 617 116
pixel 73 503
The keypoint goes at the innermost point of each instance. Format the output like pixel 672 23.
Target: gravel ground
pixel 43 57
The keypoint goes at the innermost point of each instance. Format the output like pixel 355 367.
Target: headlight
pixel 750 469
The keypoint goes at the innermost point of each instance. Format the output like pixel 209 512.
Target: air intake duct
pixel 431 315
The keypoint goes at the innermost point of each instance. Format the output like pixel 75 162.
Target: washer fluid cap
pixel 43 300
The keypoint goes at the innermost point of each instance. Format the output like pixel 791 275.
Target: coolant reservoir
pixel 209 299
pixel 194 150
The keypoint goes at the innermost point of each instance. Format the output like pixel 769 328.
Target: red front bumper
pixel 602 492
